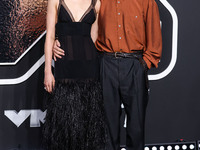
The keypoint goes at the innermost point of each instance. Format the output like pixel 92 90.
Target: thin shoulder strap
pixel 59 4
pixel 94 3
pixel 93 6
pixel 58 11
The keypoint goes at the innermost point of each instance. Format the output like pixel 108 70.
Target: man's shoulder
pixel 146 3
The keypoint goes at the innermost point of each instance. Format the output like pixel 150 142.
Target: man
pixel 130 43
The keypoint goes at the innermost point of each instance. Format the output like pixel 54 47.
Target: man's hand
pixel 57 51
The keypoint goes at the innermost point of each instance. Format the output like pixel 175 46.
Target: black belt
pixel 125 55
pixel 138 54
pixel 134 54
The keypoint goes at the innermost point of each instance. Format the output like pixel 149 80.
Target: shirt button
pixel 120 37
pixel 119 25
pixel 118 13
pixel 118 2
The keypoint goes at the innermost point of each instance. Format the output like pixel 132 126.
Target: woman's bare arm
pixel 50 38
pixel 94 29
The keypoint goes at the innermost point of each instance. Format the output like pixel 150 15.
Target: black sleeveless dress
pixel 75 116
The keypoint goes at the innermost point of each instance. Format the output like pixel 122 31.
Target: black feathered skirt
pixel 75 117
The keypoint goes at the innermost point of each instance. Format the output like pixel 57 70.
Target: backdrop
pixel 173 109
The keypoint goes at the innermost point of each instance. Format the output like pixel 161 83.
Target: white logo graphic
pixel 174 43
pixel 14 63
pixel 125 118
pixel 151 77
pixel 36 116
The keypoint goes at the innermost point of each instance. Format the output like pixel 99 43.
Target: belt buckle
pixel 116 54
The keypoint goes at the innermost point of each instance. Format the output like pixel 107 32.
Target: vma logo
pixel 36 116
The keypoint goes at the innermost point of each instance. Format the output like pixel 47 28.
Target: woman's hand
pixel 49 82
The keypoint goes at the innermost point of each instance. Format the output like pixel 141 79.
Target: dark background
pixel 173 109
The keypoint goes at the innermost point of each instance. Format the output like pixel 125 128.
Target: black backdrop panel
pixel 173 109
pixel 26 97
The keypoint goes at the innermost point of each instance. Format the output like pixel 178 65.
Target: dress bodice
pixel 80 60
pixel 65 15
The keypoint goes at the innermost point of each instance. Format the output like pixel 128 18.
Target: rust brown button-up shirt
pixel 126 25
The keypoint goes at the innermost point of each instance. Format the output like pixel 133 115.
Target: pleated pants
pixel 124 80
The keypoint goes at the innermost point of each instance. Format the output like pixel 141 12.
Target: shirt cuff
pixel 147 62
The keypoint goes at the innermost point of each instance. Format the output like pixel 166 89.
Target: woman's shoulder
pixel 97 5
pixel 54 2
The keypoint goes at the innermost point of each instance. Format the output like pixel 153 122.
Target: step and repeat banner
pixel 174 103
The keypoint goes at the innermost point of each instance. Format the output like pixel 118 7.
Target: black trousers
pixel 124 80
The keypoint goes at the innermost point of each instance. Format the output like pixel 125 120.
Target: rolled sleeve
pixel 153 51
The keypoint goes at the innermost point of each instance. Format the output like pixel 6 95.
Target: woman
pixel 75 118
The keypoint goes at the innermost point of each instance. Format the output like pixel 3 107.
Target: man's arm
pixel 153 51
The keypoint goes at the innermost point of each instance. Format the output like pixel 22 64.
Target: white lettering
pixel 36 116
